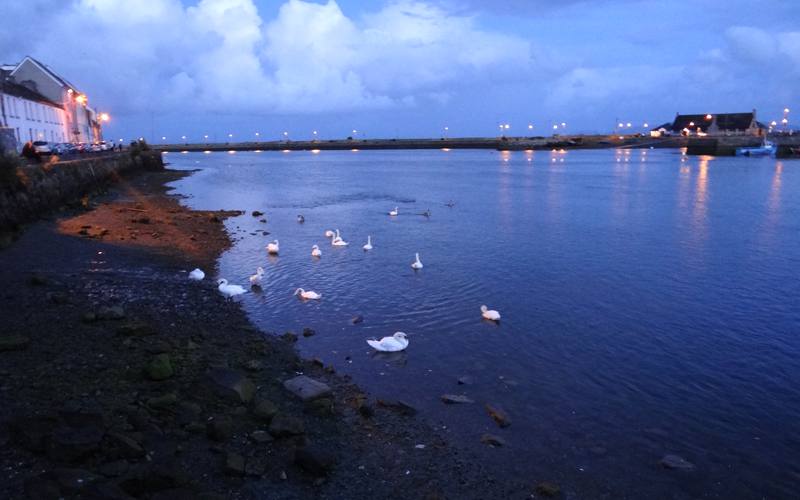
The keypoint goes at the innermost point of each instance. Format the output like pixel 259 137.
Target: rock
pixel 108 491
pixel 465 380
pixel 289 337
pixel 32 432
pixel 110 313
pixel 357 319
pixel 69 443
pixel 116 468
pixel 452 399
pixel 307 388
pixel 548 489
pixel 400 407
pixel 89 317
pixel 159 367
pixel 123 446
pixel 72 481
pixel 322 407
pixel 163 401
pixel 256 213
pixel 220 428
pixel 283 425
pixel 253 469
pixel 254 365
pixel 13 342
pixel 37 280
pixel 230 385
pixel 136 329
pixel 59 298
pixel 676 462
pixel 261 437
pixel 265 410
pixel 314 460
pixel 493 440
pixel 234 464
pixel 598 451
pixel 41 488
pixel 498 415
pixel 158 347
pixel 308 332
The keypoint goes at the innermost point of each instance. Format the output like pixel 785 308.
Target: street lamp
pixel 184 138
pixel 104 117
pixel 314 133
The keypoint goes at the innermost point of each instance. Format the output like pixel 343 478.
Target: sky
pixel 405 68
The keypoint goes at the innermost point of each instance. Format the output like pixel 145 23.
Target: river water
pixel 649 300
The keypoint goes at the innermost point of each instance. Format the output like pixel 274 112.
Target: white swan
pixel 308 295
pixel 395 343
pixel 315 251
pixel 273 248
pixel 229 290
pixel 255 280
pixel 197 275
pixel 329 234
pixel 337 241
pixel 368 246
pixel 394 212
pixel 416 264
pixel 490 314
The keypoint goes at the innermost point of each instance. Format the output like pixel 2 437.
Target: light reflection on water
pixel 649 300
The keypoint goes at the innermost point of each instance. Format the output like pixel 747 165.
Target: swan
pixel 394 212
pixel 427 213
pixel 368 246
pixel 229 290
pixel 301 219
pixel 490 314
pixel 337 241
pixel 329 234
pixel 273 248
pixel 315 251
pixel 197 275
pixel 395 343
pixel 308 295
pixel 255 280
pixel 416 264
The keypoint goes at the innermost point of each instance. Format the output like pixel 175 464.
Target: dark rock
pixel 499 416
pixel 261 437
pixel 308 332
pixel 107 491
pixel 322 407
pixel 154 476
pixel 220 428
pixel 59 298
pixel 452 399
pixel 283 425
pixel 69 444
pixel 254 365
pixel 110 313
pixel 136 329
pixel 357 319
pixel 366 410
pixel 122 446
pixel 116 468
pixel 676 462
pixel 314 460
pixel 493 440
pixel 163 401
pixel 41 488
pixel 32 432
pixel 234 464
pixel 37 280
pixel 252 468
pixel 465 380
pixel 72 481
pixel 159 367
pixel 178 494
pixel 256 213
pixel 230 385
pixel 158 347
pixel 13 342
pixel 265 410
pixel 307 388
pixel 598 451
pixel 548 489
pixel 89 317
pixel 289 337
pixel 398 407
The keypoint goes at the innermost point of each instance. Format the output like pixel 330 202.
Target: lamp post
pixel 286 136
pixel 785 120
pixel 314 133
pixel 446 128
pixel 183 137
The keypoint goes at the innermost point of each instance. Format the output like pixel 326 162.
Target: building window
pixel 30 134
pixel 18 139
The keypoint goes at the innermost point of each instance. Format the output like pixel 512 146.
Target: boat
pixel 766 148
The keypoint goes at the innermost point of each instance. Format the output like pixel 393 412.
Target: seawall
pixel 39 189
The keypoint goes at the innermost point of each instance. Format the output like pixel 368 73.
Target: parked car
pixel 42 147
pixel 106 146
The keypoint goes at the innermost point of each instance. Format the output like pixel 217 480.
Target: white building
pixel 41 105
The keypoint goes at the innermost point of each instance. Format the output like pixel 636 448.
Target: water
pixel 649 301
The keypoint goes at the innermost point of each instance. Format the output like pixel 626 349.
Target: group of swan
pixel 337 241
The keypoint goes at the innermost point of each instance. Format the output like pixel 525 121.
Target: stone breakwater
pixel 39 189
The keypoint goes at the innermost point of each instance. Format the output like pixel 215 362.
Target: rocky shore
pixel 120 378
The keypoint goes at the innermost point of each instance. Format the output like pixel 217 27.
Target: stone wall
pixel 46 187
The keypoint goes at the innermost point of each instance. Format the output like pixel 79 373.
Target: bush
pixel 9 163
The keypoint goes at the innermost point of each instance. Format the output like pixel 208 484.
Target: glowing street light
pixel 184 138
pixel 257 134
pixel 709 117
pixel 555 127
pixel 646 125
pixel 104 117
pixel 530 126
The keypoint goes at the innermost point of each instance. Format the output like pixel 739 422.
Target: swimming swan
pixel 329 234
pixel 273 248
pixel 229 290
pixel 197 275
pixel 337 241
pixel 315 251
pixel 308 295
pixel 395 343
pixel 416 264
pixel 394 212
pixel 490 314
pixel 368 246
pixel 255 280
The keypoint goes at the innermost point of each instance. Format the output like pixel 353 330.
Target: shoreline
pixel 121 373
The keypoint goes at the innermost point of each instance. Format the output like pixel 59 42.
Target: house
pixel 45 106
pixel 721 124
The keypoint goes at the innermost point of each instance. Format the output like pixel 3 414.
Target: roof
pixel 734 121
pixel 23 92
pixel 50 72
pixel 723 121
pixel 692 122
